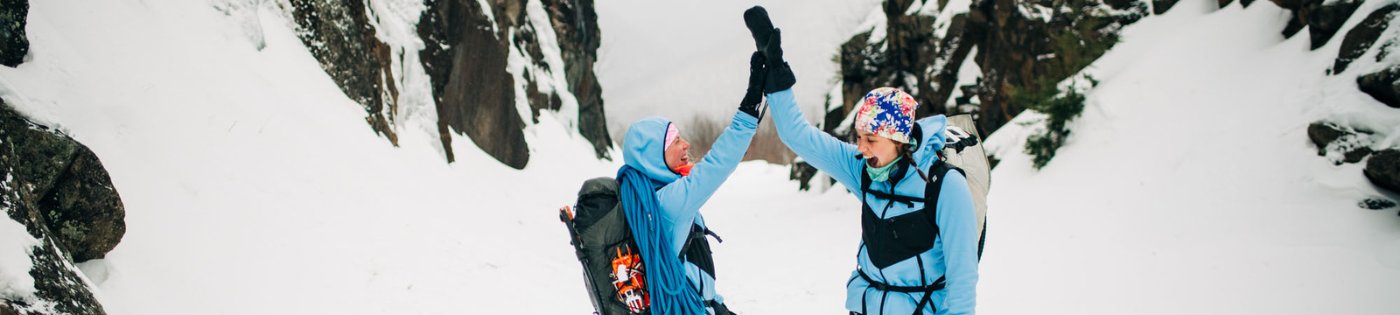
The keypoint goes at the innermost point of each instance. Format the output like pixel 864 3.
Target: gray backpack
pixel 613 270
pixel 963 149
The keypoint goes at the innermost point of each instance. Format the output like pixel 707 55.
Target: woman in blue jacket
pixel 914 258
pixel 662 192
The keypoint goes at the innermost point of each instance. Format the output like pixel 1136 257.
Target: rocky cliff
pixel 59 192
pixel 961 57
pixel 983 57
pixel 927 48
pixel 486 60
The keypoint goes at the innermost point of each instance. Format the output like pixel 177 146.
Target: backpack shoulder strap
pixel 939 170
pixel 864 183
pixel 697 250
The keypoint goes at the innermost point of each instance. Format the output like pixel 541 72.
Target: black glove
pixel 753 96
pixel 769 41
pixel 779 76
pixel 756 19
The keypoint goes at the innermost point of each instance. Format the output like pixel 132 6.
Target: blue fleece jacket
pixel 681 197
pixel 954 253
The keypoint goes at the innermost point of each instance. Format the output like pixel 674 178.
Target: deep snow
pixel 253 186
pixel 1189 184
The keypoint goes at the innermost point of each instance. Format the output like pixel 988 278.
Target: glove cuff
pixel 780 77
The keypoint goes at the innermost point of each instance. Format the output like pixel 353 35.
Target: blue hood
pixel 931 139
pixel 644 148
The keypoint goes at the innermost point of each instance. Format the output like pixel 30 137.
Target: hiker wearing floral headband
pixel 919 232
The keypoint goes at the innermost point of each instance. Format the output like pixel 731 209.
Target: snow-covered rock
pixel 483 69
pixel 341 36
pixel 1323 18
pixel 467 56
pixel 1383 85
pixel 971 57
pixel 60 207
pixel 1018 46
pixel 65 183
pixel 1342 145
pixel 1383 169
pixel 1360 38
pixel 496 65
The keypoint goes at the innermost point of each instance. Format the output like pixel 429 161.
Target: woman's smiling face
pixel 678 153
pixel 877 151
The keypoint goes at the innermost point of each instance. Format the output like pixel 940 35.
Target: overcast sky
pixel 679 59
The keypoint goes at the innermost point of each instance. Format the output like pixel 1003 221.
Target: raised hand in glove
pixel 753 97
pixel 756 19
pixel 769 41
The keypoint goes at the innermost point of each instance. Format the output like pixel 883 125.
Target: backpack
pixel 614 272
pixel 963 152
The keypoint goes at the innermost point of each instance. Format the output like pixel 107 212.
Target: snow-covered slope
pixel 1189 185
pixel 252 186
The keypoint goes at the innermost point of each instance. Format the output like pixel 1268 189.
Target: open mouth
pixel 871 161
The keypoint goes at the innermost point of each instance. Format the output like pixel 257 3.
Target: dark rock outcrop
pixel 1323 135
pixel 66 183
pixel 57 283
pixel 60 192
pixel 1376 204
pixel 1382 85
pixel 576 27
pixel 468 44
pixel 1161 6
pixel 14 44
pixel 908 63
pixel 1026 54
pixel 466 59
pixel 1322 18
pixel 83 209
pixel 1015 53
pixel 1360 38
pixel 339 35
pixel 1383 169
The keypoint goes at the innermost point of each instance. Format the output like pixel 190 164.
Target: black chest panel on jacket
pixel 894 239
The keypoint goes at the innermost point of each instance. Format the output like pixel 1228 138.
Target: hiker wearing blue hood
pixel 914 257
pixel 661 193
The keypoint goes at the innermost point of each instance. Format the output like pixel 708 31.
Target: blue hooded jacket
pixel 681 197
pixel 954 253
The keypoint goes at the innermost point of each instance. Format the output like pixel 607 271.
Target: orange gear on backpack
pixel 629 278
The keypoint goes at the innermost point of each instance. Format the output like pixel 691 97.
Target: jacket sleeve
pixel 681 200
pixel 957 223
pixel 823 151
